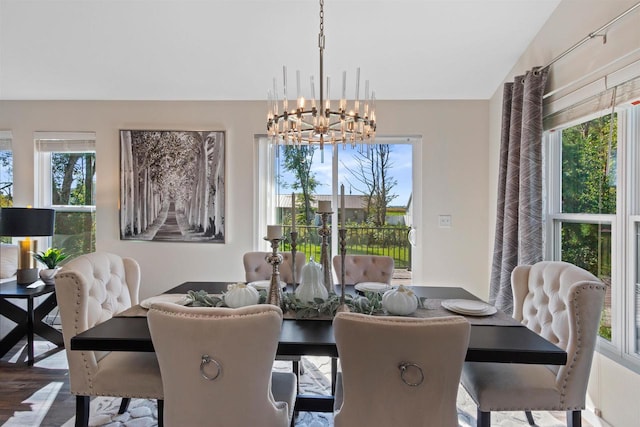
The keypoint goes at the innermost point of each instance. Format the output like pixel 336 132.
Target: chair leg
pixel 296 371
pixel 484 419
pixel 574 418
pixel 82 411
pixel 334 374
pixel 124 404
pixel 160 413
pixel 530 418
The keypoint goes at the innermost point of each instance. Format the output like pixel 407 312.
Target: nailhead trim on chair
pixel 578 347
pixel 199 315
pixel 85 354
pixel 570 364
pixel 76 320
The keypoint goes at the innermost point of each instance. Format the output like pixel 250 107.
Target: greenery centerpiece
pixel 369 303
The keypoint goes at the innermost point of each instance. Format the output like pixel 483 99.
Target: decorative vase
pixel 311 283
pixel 47 275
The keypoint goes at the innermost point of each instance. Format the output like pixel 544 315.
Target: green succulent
pixel 51 257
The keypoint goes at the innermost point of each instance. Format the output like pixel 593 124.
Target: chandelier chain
pixel 321 17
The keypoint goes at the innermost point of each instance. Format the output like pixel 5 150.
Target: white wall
pixel 454 179
pixel 612 388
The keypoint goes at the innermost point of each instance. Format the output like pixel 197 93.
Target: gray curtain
pixel 518 238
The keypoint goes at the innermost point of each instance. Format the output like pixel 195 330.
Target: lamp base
pixel 26 276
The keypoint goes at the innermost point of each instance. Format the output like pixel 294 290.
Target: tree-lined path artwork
pixel 172 186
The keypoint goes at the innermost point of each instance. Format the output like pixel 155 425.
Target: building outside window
pixel 378 189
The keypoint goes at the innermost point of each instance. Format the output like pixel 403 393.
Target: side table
pixel 30 321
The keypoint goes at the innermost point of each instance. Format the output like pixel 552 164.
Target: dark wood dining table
pixel 313 337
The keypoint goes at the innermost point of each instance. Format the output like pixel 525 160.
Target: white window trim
pixel 623 250
pixel 265 176
pixel 49 142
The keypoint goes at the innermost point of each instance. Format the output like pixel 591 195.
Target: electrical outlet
pixel 444 221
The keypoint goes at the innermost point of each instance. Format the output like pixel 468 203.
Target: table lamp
pixel 26 222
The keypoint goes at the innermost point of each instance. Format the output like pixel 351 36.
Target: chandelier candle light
pixel 314 121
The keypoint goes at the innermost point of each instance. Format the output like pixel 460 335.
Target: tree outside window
pixel 73 178
pixel 589 182
pixel 6 183
pixel 376 206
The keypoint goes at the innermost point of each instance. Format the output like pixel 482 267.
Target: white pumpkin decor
pixel 239 295
pixel 312 284
pixel 400 301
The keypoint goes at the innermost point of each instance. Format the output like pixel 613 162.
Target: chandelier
pixel 321 121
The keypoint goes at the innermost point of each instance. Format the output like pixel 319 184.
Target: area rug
pixel 315 380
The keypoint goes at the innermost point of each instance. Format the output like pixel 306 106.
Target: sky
pixel 401 164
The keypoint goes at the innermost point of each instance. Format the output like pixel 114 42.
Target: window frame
pixel 47 143
pixel 622 347
pixel 265 176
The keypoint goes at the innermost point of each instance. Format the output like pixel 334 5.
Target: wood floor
pixel 35 392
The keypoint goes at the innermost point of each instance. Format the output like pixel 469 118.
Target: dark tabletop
pixel 507 344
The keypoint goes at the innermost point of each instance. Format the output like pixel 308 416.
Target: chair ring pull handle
pixel 206 359
pixel 404 367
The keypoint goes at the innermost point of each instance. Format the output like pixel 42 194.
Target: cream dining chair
pixel 257 268
pixel 358 269
pixel 91 289
pixel 562 303
pixel 216 366
pixel 399 371
pixel 364 268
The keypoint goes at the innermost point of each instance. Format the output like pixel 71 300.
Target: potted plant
pixel 51 258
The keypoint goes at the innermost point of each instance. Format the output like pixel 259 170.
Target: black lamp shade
pixel 26 222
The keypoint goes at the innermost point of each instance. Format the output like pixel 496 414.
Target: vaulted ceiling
pixel 232 49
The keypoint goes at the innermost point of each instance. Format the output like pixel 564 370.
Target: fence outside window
pixel 387 241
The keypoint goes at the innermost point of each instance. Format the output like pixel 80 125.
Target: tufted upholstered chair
pixel 364 268
pixel 91 289
pixel 562 303
pixel 257 268
pixel 241 344
pixel 374 391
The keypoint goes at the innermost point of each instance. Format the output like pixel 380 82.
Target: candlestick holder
pixel 294 245
pixel 275 259
pixel 342 232
pixel 325 260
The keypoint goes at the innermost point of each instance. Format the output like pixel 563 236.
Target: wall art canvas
pixel 172 186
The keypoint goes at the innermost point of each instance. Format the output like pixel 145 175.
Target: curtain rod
pixel 591 35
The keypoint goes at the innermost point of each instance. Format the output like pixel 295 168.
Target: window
pixel 6 174
pixel 593 196
pixel 67 184
pixel 378 184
